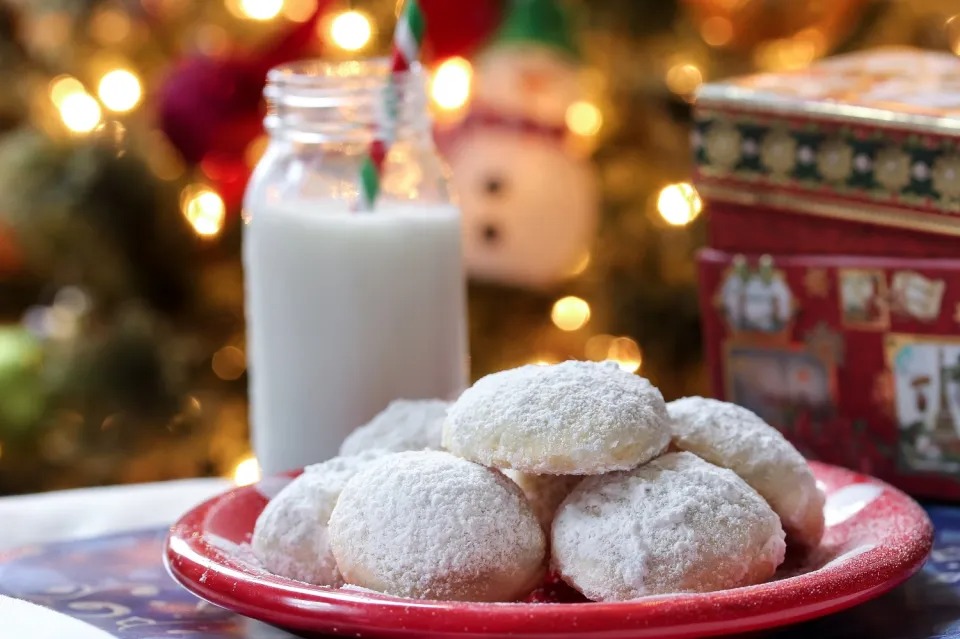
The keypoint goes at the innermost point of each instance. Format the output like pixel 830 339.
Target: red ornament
pixel 459 28
pixel 210 105
pixel 212 108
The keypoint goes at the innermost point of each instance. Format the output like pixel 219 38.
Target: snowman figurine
pixel 529 203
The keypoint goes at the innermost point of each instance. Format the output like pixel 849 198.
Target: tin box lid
pixel 894 87
pixel 872 136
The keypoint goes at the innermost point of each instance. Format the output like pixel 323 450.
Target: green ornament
pixel 543 22
pixel 22 389
pixel 85 215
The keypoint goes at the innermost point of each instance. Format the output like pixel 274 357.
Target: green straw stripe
pixel 369 182
pixel 414 18
pixel 407 42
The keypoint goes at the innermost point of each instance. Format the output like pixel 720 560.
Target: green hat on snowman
pixel 542 22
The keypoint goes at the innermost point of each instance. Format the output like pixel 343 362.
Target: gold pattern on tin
pixel 778 152
pixel 835 160
pixel 722 145
pixel 891 168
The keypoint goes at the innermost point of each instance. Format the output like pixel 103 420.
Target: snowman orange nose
pixel 534 81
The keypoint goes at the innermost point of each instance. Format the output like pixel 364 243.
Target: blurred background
pixel 128 130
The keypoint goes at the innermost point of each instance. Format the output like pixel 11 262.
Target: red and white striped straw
pixel 407 41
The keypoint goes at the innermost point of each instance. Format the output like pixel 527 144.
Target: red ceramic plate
pixel 876 538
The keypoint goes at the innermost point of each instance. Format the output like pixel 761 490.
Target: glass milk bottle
pixel 346 309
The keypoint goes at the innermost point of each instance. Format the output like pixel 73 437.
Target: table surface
pixel 95 555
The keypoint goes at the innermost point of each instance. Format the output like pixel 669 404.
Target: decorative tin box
pixel 831 288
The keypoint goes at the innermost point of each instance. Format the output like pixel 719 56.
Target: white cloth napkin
pixel 90 512
pixel 21 619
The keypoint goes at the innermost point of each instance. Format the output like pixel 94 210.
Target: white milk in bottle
pixel 346 309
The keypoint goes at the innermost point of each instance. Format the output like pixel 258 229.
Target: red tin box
pixel 831 288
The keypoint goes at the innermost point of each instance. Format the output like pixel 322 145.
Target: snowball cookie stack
pixel 733 437
pixel 636 497
pixel 573 418
pixel 675 525
pixel 290 537
pixel 430 525
pixel 406 424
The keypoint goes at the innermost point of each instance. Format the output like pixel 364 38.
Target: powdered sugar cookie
pixel 675 525
pixel 430 525
pixel 406 424
pixel 290 536
pixel 733 437
pixel 573 418
pixel 544 493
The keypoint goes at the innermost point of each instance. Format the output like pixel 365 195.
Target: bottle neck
pixel 352 102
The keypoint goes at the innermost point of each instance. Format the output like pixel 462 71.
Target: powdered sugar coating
pixel 430 525
pixel 544 493
pixel 290 537
pixel 573 418
pixel 736 438
pixel 675 525
pixel 406 424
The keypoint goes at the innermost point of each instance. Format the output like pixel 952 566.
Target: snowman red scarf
pixel 486 117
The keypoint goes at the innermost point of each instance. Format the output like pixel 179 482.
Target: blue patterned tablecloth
pixel 118 583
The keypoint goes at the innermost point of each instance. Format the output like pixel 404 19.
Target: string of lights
pixel 110 70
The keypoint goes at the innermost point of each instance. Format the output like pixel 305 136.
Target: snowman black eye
pixel 490 233
pixel 493 186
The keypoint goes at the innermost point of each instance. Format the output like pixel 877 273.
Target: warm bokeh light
pixel 298 10
pixel 626 353
pixel 229 363
pixel 80 112
pixel 450 86
pixel 247 471
pixel 684 78
pixel 598 346
pixel 204 209
pixel 570 313
pixel 45 31
pixel 542 361
pixel 260 9
pixel 120 90
pixel 584 118
pixel 716 31
pixel 679 204
pixel 351 30
pixel 63 86
pixel 211 39
pixel 788 54
pixel 110 25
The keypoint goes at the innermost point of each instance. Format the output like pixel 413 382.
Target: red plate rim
pixel 212 574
